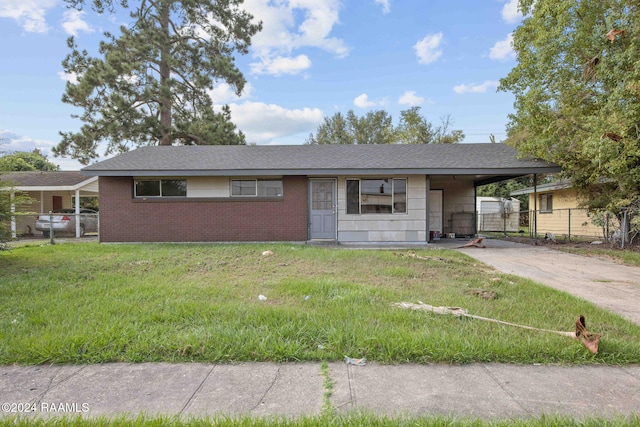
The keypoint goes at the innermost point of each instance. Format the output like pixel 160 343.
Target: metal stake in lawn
pixel 51 238
pixel 588 339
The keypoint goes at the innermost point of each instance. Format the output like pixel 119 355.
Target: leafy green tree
pixel 12 202
pixel 413 128
pixel 151 83
pixel 9 200
pixel 577 92
pixel 442 134
pixel 333 130
pixel 376 127
pixel 26 161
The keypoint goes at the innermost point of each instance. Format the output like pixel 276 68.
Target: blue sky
pixel 313 58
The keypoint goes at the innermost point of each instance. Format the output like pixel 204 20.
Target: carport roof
pixel 39 180
pixel 241 160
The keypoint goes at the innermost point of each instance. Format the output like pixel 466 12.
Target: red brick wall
pixel 125 219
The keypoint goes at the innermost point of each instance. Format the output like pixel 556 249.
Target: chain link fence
pixel 62 223
pixel 568 224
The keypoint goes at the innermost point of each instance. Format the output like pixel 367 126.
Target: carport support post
pixel 535 208
pixel 427 183
pixel 14 233
pixel 624 226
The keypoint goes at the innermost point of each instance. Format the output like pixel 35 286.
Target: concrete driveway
pixel 605 283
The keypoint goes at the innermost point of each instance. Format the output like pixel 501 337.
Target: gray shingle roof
pixel 319 159
pixel 44 179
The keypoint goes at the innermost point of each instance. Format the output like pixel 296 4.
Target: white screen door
pixel 322 209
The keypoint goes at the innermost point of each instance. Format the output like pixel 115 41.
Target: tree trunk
pixel 165 75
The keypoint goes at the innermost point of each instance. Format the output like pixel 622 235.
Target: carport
pixel 49 191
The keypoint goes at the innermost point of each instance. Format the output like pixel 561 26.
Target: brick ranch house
pixel 339 193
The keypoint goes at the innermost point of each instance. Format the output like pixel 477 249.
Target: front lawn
pixel 92 303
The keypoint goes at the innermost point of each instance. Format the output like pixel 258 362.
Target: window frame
pixel 159 181
pixel 256 188
pixel 548 197
pixel 393 196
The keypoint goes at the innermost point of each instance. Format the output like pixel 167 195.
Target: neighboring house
pixel 339 193
pixel 50 191
pixel 555 207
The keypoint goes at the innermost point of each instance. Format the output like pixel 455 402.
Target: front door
pixel 435 211
pixel 322 209
pixel 57 203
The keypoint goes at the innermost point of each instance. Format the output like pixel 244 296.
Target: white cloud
pixel 266 123
pixel 476 88
pixel 503 50
pixel 223 93
pixel 73 22
pixel 68 77
pixel 510 12
pixel 11 142
pixel 386 7
pixel 428 49
pixel 281 65
pixel 363 101
pixel 30 14
pixel 289 25
pixel 410 98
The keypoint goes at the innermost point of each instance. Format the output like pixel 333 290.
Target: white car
pixel 64 221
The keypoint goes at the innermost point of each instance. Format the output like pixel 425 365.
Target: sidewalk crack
pixel 275 378
pixel 352 390
pixel 193 395
pixel 506 390
pixel 51 384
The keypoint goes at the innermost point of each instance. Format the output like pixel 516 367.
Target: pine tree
pixel 150 84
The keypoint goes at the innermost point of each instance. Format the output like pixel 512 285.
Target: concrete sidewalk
pixel 487 391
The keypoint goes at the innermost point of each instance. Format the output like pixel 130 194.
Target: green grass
pixel 92 303
pixel 337 421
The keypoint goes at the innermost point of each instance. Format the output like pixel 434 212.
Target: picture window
pixel 377 196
